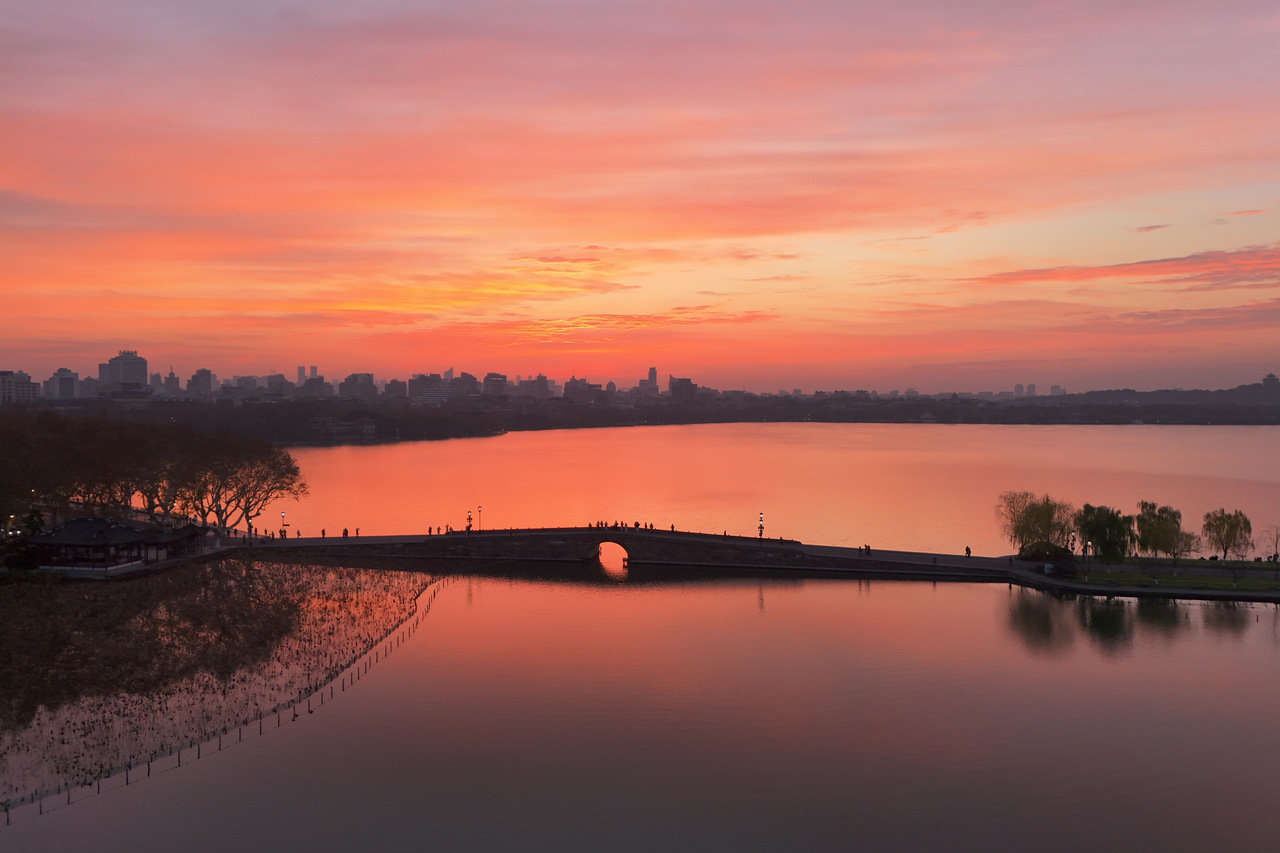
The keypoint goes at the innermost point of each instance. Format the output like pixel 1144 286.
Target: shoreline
pixel 682 555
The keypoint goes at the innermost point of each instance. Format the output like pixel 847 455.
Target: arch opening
pixel 613 559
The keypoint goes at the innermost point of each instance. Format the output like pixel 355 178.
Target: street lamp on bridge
pixel 480 517
pixel 761 528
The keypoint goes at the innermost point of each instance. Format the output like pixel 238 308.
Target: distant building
pixel 358 386
pixel 17 389
pixel 1017 390
pixel 536 387
pixel 495 385
pixel 420 384
pixel 1057 391
pixel 123 373
pixel 172 385
pixel 462 385
pixel 315 388
pixel 649 387
pixel 580 390
pixel 1031 390
pixel 680 389
pixel 302 374
pixel 279 386
pixel 64 384
pixel 396 388
pixel 201 383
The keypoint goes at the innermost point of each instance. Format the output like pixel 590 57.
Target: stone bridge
pixel 570 544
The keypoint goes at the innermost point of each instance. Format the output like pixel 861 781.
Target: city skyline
pixel 109 378
pixel 822 195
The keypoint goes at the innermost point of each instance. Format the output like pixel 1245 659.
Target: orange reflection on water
pixel 922 487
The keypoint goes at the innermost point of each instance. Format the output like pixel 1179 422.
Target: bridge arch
pixel 613 559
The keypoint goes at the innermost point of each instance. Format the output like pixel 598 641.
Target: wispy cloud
pixel 1254 267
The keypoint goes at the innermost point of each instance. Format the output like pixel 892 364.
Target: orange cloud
pixel 1253 267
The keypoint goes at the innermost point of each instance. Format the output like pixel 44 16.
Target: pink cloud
pixel 1253 267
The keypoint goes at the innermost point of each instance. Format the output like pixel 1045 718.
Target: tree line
pixel 1041 527
pixel 53 468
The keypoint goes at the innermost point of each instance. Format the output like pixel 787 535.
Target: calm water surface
pixel 923 487
pixel 759 715
pixel 751 716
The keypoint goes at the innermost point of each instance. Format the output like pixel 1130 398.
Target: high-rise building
pixel 201 383
pixel 680 389
pixel 1031 390
pixel 1017 390
pixel 124 372
pixel 358 386
pixel 17 388
pixel 495 385
pixel 302 374
pixel 649 387
pixel 64 384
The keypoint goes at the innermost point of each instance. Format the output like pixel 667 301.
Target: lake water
pixel 743 714
pixel 922 487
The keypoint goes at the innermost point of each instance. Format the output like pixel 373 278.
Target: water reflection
pixel 613 560
pixel 1046 624
pixel 1039 620
pixel 1162 616
pixel 1108 623
pixel 1228 618
pixel 98 678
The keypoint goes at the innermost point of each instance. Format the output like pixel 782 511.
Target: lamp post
pixel 480 517
pixel 282 523
pixel 761 528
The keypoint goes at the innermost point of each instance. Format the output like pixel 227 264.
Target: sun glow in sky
pixel 811 194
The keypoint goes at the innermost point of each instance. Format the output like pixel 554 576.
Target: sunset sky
pixel 811 194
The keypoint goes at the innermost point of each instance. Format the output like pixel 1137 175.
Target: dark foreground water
pixel 746 715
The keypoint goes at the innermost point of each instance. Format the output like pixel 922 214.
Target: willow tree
pixel 1108 531
pixel 1030 520
pixel 1228 532
pixel 1159 529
